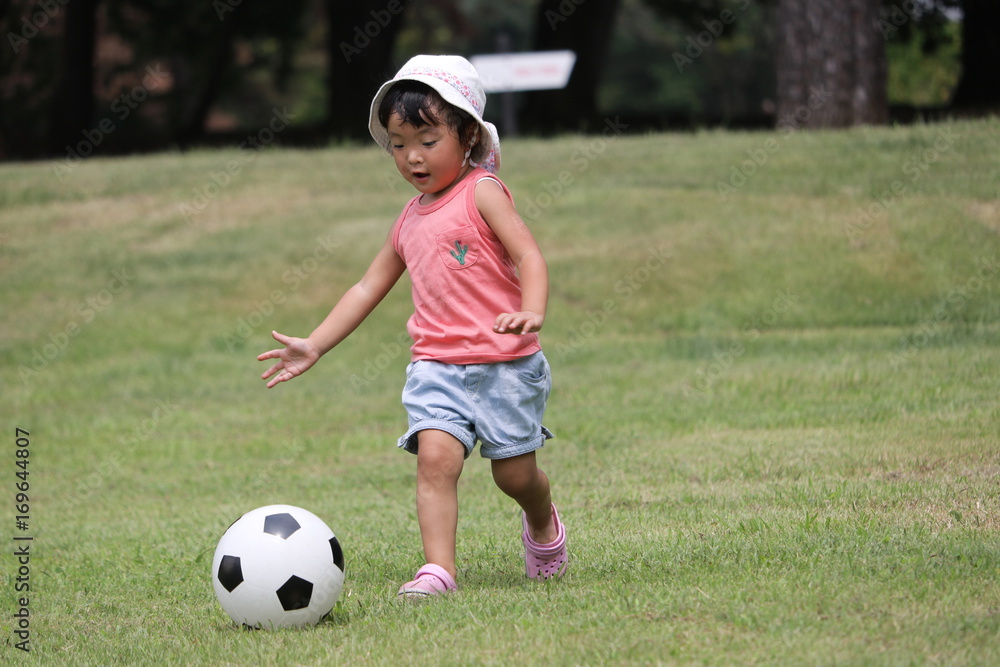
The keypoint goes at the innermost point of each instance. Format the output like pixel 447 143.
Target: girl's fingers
pixel 272 370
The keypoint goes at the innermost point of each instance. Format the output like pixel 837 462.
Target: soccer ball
pixel 278 567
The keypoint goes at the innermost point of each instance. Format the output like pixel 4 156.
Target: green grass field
pixel 777 369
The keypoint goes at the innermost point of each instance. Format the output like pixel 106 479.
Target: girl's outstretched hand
pixel 518 323
pixel 294 359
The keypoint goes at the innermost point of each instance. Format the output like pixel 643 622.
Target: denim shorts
pixel 498 404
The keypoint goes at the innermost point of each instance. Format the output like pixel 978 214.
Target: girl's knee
pixel 440 458
pixel 518 478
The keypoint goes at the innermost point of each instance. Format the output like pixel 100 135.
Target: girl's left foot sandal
pixel 542 561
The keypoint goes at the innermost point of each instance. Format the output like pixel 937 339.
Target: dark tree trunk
pixel 582 27
pixel 73 102
pixel 870 94
pixel 831 64
pixel 978 87
pixel 361 39
pixel 191 126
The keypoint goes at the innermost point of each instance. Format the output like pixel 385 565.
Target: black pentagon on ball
pixel 230 572
pixel 338 554
pixel 281 525
pixel 295 593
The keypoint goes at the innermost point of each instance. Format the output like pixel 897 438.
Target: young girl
pixel 480 290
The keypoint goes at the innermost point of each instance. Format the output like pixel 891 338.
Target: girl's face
pixel 429 157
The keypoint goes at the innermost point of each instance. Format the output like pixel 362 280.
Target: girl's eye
pixel 428 144
pixel 397 146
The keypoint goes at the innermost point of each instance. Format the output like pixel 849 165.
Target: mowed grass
pixel 776 361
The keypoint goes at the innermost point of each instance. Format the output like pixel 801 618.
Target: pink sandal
pixel 430 580
pixel 542 561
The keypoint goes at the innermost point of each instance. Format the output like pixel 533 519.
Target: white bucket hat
pixel 457 82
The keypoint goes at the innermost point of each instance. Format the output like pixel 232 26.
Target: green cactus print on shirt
pixel 460 255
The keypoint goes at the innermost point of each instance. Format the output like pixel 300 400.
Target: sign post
pixel 507 73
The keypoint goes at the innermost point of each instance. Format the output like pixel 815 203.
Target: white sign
pixel 510 72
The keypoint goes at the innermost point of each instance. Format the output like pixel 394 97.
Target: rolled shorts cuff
pixel 517 448
pixel 408 441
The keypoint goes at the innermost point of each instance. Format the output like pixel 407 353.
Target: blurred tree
pixel 924 67
pixel 977 87
pixel 583 27
pixel 360 43
pixel 79 80
pixel 198 40
pixel 681 63
pixel 39 48
pixel 694 14
pixel 920 36
pixel 74 78
pixel 830 63
pixel 73 100
pixel 466 27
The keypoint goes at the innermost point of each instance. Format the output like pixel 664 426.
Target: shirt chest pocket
pixel 458 248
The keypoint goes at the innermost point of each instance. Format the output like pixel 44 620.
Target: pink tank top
pixel 462 278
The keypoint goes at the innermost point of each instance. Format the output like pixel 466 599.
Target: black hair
pixel 418 104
